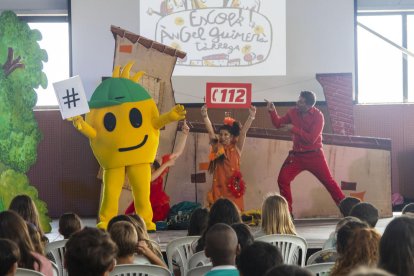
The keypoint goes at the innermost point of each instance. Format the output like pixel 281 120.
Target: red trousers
pixel 313 162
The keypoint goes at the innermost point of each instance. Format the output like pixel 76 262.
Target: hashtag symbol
pixel 71 98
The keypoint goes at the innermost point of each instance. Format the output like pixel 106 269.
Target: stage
pixel 314 231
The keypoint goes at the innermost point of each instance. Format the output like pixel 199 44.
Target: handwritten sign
pixel 71 97
pixel 217 35
pixel 228 95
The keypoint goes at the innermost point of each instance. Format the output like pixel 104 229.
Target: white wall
pixel 320 39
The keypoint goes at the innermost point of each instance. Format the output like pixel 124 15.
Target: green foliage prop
pixel 21 61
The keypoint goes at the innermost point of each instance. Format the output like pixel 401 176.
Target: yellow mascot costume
pixel 123 128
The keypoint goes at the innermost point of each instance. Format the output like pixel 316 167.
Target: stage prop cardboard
pixel 361 165
pixel 20 73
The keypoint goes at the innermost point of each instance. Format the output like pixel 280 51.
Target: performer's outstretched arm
pixel 183 139
pixel 207 122
pixel 245 128
pixel 277 120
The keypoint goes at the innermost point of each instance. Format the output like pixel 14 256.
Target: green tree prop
pixel 21 72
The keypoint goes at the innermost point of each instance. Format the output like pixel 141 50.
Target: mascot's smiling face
pixel 121 113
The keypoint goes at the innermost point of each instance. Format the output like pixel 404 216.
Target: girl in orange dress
pixel 226 149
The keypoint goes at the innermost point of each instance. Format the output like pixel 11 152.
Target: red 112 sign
pixel 228 95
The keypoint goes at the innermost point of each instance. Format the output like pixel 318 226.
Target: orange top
pixel 222 174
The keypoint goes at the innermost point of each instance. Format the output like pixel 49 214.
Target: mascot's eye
pixel 109 121
pixel 135 117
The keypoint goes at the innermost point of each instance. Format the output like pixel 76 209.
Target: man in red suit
pixel 305 122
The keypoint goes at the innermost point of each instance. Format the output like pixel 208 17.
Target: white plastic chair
pixel 139 270
pixel 198 259
pixel 323 269
pixel 55 269
pixel 182 246
pixel 199 271
pixel 312 258
pixel 289 246
pixel 27 272
pixel 57 249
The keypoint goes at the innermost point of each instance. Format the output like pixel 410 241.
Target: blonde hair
pixel 153 246
pixel 276 218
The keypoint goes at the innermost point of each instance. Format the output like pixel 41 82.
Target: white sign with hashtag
pixel 71 97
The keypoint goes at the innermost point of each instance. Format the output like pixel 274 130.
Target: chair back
pixel 140 270
pixel 180 247
pixel 199 271
pixel 293 248
pixel 198 259
pixel 27 272
pixel 56 249
pixel 323 256
pixel 323 269
pixel 55 269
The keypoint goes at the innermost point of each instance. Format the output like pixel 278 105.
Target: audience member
pixel 125 237
pixel 397 247
pixel 69 223
pixel 257 258
pixel 25 207
pixel 276 218
pixel 331 241
pixel 346 205
pixel 9 257
pixel 287 270
pixel 369 271
pixel 357 244
pixel 148 249
pixel 198 222
pixel 35 238
pixel 244 237
pixel 366 212
pixel 222 248
pixel 408 209
pixel 14 228
pixel 90 252
pixel 222 211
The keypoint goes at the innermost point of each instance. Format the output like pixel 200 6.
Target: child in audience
pixel 90 252
pixel 141 230
pixel 408 209
pixel 258 258
pixel 69 223
pixel 397 247
pixel 125 236
pixel 366 212
pixel 276 217
pixel 288 270
pixel 346 205
pixel 244 237
pixel 9 257
pixel 14 228
pixel 25 207
pixel 149 249
pixel 222 211
pixel 357 244
pixel 35 238
pixel 221 248
pixel 198 222
pixel 331 241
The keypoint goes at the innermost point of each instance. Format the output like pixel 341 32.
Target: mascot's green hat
pixel 115 91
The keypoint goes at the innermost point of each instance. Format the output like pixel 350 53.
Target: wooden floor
pixel 314 231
